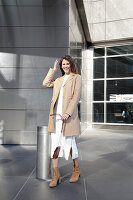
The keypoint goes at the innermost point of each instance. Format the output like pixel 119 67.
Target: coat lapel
pixel 60 81
pixel 58 86
pixel 69 78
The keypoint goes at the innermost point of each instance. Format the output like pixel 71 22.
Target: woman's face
pixel 66 66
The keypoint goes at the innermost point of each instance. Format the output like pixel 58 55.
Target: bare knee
pixel 56 153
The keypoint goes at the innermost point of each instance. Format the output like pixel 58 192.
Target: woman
pixel 64 123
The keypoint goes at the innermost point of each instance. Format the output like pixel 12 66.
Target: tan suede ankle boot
pixel 56 179
pixel 75 175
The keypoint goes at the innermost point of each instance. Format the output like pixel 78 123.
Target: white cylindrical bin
pixel 43 153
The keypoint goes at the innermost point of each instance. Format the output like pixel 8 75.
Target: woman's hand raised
pixel 55 65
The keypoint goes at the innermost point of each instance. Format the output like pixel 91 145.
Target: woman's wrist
pixel 54 69
pixel 67 114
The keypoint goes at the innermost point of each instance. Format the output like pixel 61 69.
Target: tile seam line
pixel 24 184
pixel 110 21
pixel 32 47
pixel 32 6
pixel 85 189
pixel 33 26
pixel 83 177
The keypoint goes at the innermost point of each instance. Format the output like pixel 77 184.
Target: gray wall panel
pixel 21 2
pixel 19 59
pixel 26 99
pixel 34 16
pixel 34 2
pixel 34 36
pixel 23 77
pixel 13 119
pixel 20 137
pixel 34 33
pixel 51 52
pixel 10 99
pixel 36 118
pixel 24 120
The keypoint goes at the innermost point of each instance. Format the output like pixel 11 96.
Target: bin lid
pixel 42 129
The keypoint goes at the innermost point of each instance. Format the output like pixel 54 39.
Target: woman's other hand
pixel 65 116
pixel 55 65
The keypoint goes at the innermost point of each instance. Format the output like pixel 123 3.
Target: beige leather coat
pixel 71 95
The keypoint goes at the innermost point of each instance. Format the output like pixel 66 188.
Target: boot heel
pixel 59 180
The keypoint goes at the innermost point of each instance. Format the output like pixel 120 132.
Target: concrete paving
pixel 106 161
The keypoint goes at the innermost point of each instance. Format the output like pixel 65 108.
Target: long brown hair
pixel 73 66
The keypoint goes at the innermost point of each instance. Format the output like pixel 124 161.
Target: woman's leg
pixel 55 162
pixel 56 179
pixel 55 159
pixel 76 170
pixel 75 162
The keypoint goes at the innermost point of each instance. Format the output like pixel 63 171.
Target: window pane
pixel 99 52
pixel 98 90
pixel 98 112
pixel 117 87
pixel 99 68
pixel 78 62
pixel 118 50
pixel 120 113
pixel 75 52
pixel 120 67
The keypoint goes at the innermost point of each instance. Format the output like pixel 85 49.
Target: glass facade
pixel 76 53
pixel 118 67
pixel 98 87
pixel 99 68
pixel 98 112
pixel 113 85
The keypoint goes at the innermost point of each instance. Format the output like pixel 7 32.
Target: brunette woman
pixel 64 124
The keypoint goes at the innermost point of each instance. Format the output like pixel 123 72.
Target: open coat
pixel 71 95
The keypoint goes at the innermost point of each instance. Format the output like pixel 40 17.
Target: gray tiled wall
pixel 33 34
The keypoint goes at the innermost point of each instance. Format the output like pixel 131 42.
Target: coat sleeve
pixel 48 82
pixel 75 99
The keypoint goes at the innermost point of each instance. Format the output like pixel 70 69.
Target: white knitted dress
pixel 57 139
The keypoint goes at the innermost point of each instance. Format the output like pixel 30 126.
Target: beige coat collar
pixel 69 78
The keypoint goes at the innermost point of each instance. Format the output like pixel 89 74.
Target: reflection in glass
pixel 118 50
pixel 119 87
pixel 98 90
pixel 99 52
pixel 120 113
pixel 99 68
pixel 76 52
pixel 76 55
pixel 120 67
pixel 78 62
pixel 98 112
